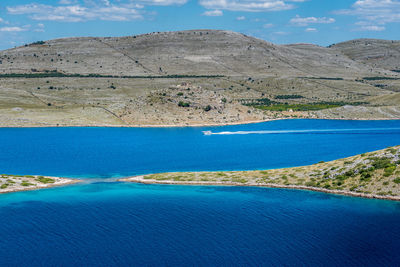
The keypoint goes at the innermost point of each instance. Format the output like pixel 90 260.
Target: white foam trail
pixel 299 131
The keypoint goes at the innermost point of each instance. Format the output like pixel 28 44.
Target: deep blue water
pixel 122 224
pixel 117 224
pixel 106 152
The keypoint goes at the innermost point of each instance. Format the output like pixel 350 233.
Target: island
pixel 15 183
pixel 370 175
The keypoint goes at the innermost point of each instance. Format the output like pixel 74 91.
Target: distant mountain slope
pixel 373 52
pixel 185 52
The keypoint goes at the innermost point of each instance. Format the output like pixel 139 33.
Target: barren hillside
pixel 188 78
pixel 373 52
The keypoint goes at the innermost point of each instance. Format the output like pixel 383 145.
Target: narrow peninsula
pixel 370 175
pixel 15 183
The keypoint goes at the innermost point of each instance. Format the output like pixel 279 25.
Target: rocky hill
pixel 192 78
pixel 187 52
pixel 373 52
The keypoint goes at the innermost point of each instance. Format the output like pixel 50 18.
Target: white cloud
pixel 249 5
pixel 241 18
pixel 74 11
pixel 268 25
pixel 374 12
pixel 299 21
pixel 281 33
pixel 373 28
pixel 213 13
pixel 1 20
pixel 13 29
pixel 311 30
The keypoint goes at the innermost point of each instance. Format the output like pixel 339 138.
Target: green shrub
pixel 381 163
pixel 311 184
pixel 3 186
pixel 365 176
pixel 327 186
pixel 183 104
pixel 349 173
pixel 389 171
pixel 239 180
pixel 353 188
pixel 45 180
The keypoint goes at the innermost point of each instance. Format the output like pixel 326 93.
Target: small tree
pixel 183 104
pixel 207 108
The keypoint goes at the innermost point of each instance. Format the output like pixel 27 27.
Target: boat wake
pixel 307 131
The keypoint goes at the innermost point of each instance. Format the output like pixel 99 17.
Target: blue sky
pixel 320 22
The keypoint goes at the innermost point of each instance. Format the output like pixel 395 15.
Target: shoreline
pixel 192 125
pixel 140 180
pixel 368 175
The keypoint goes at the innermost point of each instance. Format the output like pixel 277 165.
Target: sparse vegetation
pixel 298 107
pixel 377 78
pixel 324 78
pixel 56 74
pixel 289 96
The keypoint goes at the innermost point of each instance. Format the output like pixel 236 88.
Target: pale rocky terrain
pixel 224 70
pixel 372 175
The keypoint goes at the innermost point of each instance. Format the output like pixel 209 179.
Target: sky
pixel 321 22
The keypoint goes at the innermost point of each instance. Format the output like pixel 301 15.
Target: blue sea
pixel 106 223
pixel 117 152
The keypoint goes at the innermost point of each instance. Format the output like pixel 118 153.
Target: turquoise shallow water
pixel 120 224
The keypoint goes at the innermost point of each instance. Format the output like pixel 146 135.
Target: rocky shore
pixel 370 175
